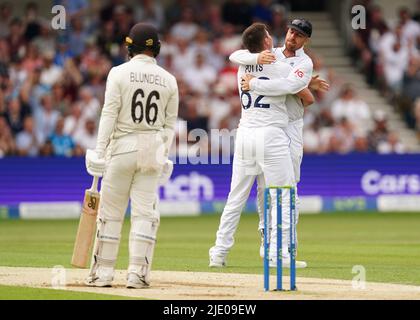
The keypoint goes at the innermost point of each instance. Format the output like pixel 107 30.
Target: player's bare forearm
pixel 306 96
pixel 318 84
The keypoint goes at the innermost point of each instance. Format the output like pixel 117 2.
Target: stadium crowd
pixel 387 52
pixel 52 82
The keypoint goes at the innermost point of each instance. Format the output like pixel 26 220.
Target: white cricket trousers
pixel 257 150
pixel 295 133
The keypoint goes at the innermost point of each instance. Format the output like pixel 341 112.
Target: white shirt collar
pixel 144 57
pixel 298 53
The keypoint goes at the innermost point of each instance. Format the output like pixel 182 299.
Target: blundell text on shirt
pixel 147 78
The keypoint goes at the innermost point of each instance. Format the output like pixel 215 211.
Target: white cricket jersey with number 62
pixel 259 110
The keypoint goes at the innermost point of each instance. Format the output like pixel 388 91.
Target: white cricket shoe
pixel 286 263
pixel 135 281
pixel 217 261
pixel 95 281
pixel 101 277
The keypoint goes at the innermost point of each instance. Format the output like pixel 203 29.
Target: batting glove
pixel 94 166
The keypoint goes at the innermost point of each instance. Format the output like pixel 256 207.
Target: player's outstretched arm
pixel 109 115
pixel 298 79
pixel 244 57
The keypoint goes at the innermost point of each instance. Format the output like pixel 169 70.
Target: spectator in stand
pixel 26 141
pixel 6 11
pixel 74 123
pixel 32 59
pixel 124 20
pixel 262 12
pixel 410 32
pixel 219 106
pixel 411 91
pixel 63 52
pixel 361 143
pixel 238 13
pixel 45 119
pixel 77 36
pixel 213 21
pixel 73 79
pixel 51 73
pixel 279 24
pixel 391 145
pixel 97 85
pixel 150 11
pixel 380 130
pixel 4 58
pixel 86 138
pixel 229 41
pixel 231 121
pixel 200 76
pixel 312 138
pixel 16 74
pixel 106 12
pixel 16 39
pixel 33 90
pixel 201 44
pixel 182 56
pixel 107 41
pixel 32 21
pixel 394 57
pixel 416 16
pixel 89 104
pixel 348 106
pixel 208 49
pixel 15 115
pixel 60 99
pixel 187 28
pixel 62 144
pixel 364 38
pixel 2 103
pixel 7 143
pixel 322 126
pixel 46 149
pixel 193 118
pixel 343 137
pixel 174 11
pixel 45 41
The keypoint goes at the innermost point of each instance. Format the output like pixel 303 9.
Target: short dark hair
pixel 253 37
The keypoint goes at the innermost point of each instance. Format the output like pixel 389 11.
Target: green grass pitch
pixel 386 244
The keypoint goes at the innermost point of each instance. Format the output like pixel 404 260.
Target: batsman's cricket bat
pixel 87 226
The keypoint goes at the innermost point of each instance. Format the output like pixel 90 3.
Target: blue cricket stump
pixel 292 242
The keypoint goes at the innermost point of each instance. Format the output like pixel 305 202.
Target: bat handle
pixel 94 187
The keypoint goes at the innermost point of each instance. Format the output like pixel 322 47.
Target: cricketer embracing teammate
pixel 289 83
pixel 262 145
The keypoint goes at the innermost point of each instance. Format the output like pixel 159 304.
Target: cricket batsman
pixel 135 132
